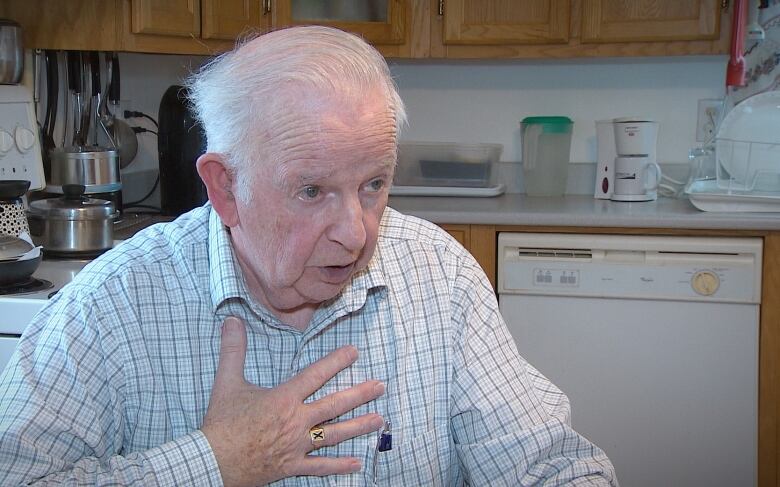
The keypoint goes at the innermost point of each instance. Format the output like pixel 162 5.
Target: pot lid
pixel 87 153
pixel 73 206
pixel 11 248
pixel 13 188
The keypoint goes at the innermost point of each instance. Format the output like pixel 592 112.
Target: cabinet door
pixel 72 25
pixel 378 21
pixel 166 17
pixel 461 233
pixel 232 19
pixel 650 20
pixel 506 21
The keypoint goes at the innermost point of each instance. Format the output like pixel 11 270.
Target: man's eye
pixel 376 185
pixel 311 192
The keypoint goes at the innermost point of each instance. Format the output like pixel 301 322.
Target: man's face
pixel 313 217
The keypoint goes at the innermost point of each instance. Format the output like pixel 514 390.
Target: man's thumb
pixel 232 351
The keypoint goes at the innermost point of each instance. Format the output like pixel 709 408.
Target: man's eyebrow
pixel 308 178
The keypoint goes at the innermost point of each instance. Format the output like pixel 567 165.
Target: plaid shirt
pixel 112 379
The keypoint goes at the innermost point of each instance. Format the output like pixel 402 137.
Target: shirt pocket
pixel 416 462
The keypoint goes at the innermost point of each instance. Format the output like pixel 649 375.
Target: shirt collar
pixel 226 277
pixel 228 286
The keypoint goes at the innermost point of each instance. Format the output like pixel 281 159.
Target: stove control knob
pixel 705 283
pixel 25 139
pixel 6 141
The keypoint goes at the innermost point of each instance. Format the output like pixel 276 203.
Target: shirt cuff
pixel 187 460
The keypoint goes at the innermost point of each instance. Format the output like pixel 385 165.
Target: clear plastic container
pixel 546 144
pixel 447 164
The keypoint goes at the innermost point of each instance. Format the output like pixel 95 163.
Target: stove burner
pixel 29 285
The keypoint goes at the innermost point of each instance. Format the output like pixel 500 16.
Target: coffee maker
pixel 180 142
pixel 627 167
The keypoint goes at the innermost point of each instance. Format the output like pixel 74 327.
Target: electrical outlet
pixel 707 118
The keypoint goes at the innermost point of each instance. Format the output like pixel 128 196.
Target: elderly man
pixel 293 329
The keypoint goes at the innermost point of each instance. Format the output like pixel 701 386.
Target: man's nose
pixel 348 228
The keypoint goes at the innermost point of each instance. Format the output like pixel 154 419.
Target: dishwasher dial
pixel 705 283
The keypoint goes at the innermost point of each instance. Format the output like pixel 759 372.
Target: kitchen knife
pixel 113 89
pixel 53 87
pixel 74 84
pixel 94 62
pixel 125 138
pixel 86 99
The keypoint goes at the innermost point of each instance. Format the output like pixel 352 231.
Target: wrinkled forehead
pixel 324 126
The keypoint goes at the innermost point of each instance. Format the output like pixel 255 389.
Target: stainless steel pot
pixel 11 52
pixel 73 224
pixel 95 168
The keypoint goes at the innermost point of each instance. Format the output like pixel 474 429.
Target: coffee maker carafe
pixel 627 164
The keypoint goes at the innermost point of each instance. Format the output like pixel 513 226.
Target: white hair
pixel 237 93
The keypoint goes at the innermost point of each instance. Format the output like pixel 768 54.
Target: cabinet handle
pixel 441 8
pixel 266 6
pixel 724 4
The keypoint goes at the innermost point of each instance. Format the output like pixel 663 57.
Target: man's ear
pixel 219 185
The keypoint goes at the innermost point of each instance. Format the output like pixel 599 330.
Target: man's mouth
pixel 337 274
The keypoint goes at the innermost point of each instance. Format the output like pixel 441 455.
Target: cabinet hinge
pixel 724 4
pixel 441 7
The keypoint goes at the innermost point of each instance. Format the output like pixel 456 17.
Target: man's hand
pixel 260 435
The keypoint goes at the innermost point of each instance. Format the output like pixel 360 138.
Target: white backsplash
pixel 483 101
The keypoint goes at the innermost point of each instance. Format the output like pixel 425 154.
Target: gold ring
pixel 317 435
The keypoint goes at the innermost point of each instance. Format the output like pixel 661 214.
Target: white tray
pixel 446 191
pixel 707 196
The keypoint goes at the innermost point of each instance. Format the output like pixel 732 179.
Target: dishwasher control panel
pixel 670 268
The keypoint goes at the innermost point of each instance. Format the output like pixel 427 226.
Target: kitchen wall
pixel 483 101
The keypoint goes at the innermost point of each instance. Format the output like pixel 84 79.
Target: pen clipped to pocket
pixel 383 443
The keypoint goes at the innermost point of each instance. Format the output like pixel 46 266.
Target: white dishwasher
pixel 653 339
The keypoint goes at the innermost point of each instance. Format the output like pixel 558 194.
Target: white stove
pixel 17 310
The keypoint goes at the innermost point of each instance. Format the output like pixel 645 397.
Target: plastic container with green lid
pixel 546 144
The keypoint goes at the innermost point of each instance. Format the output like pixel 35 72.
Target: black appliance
pixel 180 142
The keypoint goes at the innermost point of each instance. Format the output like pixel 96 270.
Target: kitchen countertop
pixel 579 211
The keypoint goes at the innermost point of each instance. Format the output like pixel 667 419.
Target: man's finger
pixel 317 374
pixel 232 352
pixel 335 433
pixel 321 466
pixel 338 403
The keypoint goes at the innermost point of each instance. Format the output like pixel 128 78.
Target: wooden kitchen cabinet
pixel 210 26
pixel 188 26
pixel 378 21
pixel 156 26
pixel 650 20
pixel 232 19
pixel 459 232
pixel 207 19
pixel 398 28
pixel 165 17
pixel 71 25
pixel 474 22
pixel 576 28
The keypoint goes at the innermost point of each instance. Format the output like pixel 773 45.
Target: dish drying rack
pixel 748 166
pixel 741 170
pixel 736 176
